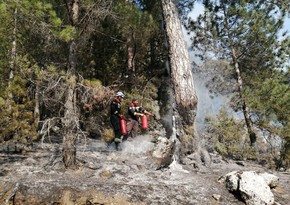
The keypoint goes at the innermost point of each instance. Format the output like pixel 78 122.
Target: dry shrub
pixel 93 92
pixel 108 135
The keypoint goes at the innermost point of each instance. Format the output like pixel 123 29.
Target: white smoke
pixel 140 144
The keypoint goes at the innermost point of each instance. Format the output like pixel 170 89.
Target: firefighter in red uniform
pixel 134 112
pixel 116 116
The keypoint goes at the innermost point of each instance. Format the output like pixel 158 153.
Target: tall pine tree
pixel 244 32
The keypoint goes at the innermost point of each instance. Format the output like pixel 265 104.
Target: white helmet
pixel 120 94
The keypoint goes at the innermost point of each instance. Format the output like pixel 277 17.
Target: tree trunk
pixel 245 108
pixel 36 107
pixel 181 70
pixel 70 123
pixel 131 52
pixel 181 74
pixel 13 54
pixel 70 120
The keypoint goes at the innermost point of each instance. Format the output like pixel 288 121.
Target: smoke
pixel 208 104
pixel 138 145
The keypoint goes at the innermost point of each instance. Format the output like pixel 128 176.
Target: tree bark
pixel 70 123
pixel 245 108
pixel 181 74
pixel 37 102
pixel 70 120
pixel 13 54
pixel 181 70
pixel 131 52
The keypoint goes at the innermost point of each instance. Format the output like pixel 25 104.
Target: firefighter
pixel 134 112
pixel 116 116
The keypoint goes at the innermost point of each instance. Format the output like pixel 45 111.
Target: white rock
pixel 254 189
pixel 270 179
pixel 232 181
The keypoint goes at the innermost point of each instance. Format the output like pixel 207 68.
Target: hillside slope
pixel 106 176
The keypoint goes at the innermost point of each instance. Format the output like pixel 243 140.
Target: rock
pixel 253 188
pixel 232 181
pixel 163 152
pixel 205 157
pixel 270 179
pixel 216 197
pixel 106 174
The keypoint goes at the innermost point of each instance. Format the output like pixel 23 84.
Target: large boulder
pixel 254 188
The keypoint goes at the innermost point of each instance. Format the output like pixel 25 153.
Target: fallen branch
pixel 13 193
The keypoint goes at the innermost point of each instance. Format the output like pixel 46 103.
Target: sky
pixel 287 25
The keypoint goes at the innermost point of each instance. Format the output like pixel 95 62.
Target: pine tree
pixel 244 32
pixel 76 11
pixel 22 17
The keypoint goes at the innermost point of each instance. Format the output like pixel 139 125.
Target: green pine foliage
pixel 229 137
pixel 6 19
pixel 17 123
pixel 270 104
pixel 104 56
pixel 16 113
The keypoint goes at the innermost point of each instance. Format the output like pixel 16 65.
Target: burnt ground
pixel 106 176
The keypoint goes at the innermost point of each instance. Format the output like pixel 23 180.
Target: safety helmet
pixel 120 94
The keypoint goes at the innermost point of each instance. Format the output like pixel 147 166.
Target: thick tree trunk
pixel 181 70
pixel 70 120
pixel 245 108
pixel 70 123
pixel 181 75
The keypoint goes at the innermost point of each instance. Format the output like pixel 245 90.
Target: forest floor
pixel 125 177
